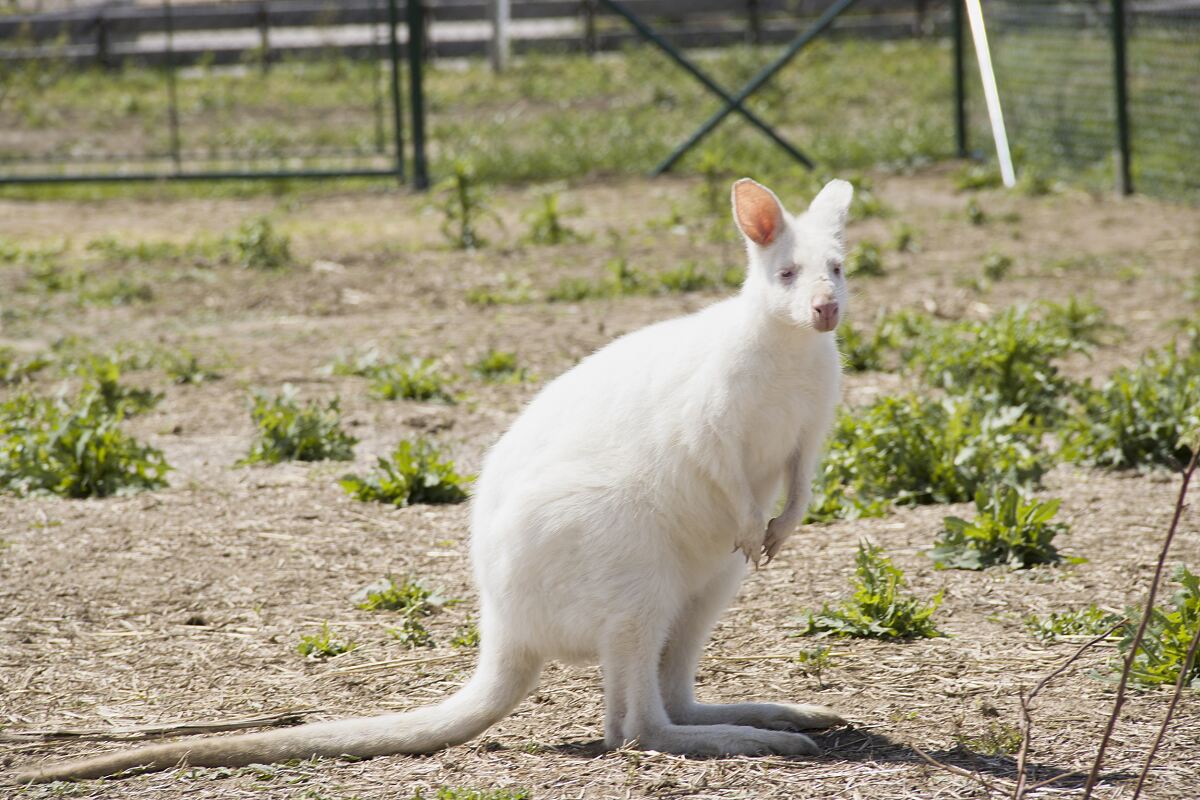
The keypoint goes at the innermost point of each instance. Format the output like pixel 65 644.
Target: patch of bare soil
pixel 188 603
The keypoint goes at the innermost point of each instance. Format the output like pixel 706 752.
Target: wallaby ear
pixel 831 206
pixel 757 212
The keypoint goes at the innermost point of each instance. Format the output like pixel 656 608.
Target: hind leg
pixel 681 654
pixel 636 711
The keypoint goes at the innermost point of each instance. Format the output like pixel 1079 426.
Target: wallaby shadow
pixel 851 744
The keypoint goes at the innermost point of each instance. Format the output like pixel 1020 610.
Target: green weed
pixel 974 177
pixel 975 213
pixel 687 277
pixel 323 644
pixel 102 376
pixel 415 473
pixel 256 245
pixel 15 368
pixel 510 292
pixel 1090 621
pixel 912 450
pixel 412 633
pixel 904 238
pixel 1000 738
pixel 814 662
pixel 996 266
pixel 1078 320
pixel 1008 529
pixel 1142 416
pixel 865 260
pixel 409 597
pixel 454 793
pixel 288 431
pixel 414 379
pixel 73 449
pixel 499 366
pixel 467 636
pixel 546 224
pixel 1162 655
pixel 183 367
pixel 463 203
pixel 861 353
pixel 877 609
pixel 1009 360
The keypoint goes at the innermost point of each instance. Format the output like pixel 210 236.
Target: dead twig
pixel 966 773
pixel 1027 718
pixel 1141 630
pixel 285 717
pixel 1183 673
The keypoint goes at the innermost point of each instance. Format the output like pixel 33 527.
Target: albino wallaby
pixel 615 518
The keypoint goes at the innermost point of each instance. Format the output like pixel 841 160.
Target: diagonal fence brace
pixel 731 103
pixel 735 103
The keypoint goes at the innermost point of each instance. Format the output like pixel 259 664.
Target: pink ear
pixel 757 212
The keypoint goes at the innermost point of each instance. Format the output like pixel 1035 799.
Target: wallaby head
pixel 795 264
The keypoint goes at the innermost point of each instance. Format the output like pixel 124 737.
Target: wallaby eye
pixel 836 266
pixel 787 273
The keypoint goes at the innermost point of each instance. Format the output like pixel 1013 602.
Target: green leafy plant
pixel 499 366
pixel 861 353
pixel 904 238
pixel 1008 529
pixel 409 597
pixel 620 280
pixel 15 368
pixel 813 662
pixel 912 450
pixel 687 277
pixel 256 245
pixel 412 633
pixel 975 213
pixel 996 266
pixel 865 260
pixel 411 600
pixel 1142 416
pixel 1163 651
pixel 1000 738
pixel 463 203
pixel 414 379
pixel 974 177
pixel 510 291
pixel 1078 320
pixel 1009 360
pixel 73 449
pixel 1089 621
pixel 288 431
pixel 467 636
pixel 323 644
pixel 878 609
pixel 454 793
pixel 415 473
pixel 546 223
pixel 184 367
pixel 102 375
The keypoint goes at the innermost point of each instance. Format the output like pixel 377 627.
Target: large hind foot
pixel 726 740
pixel 771 716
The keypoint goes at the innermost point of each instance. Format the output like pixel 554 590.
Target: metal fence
pixel 122 90
pixel 1107 91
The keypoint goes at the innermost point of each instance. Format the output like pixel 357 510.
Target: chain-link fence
pixel 1057 65
pixel 223 88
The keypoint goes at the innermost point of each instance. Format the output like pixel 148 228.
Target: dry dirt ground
pixel 187 604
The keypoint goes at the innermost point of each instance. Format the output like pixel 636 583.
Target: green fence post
pixel 416 91
pixel 394 66
pixel 1121 91
pixel 172 94
pixel 960 86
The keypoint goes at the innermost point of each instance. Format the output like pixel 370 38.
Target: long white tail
pixel 501 680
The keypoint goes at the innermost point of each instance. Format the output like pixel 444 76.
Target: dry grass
pixel 187 604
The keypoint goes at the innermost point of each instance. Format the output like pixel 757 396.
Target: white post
pixel 991 94
pixel 501 12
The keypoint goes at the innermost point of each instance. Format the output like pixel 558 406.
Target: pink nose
pixel 825 315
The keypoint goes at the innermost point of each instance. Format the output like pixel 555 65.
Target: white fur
pixel 613 521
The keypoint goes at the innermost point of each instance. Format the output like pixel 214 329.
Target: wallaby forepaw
pixel 779 531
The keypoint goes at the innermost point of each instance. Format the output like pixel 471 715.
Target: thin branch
pixel 1141 631
pixel 975 776
pixel 1183 673
pixel 285 717
pixel 1027 700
